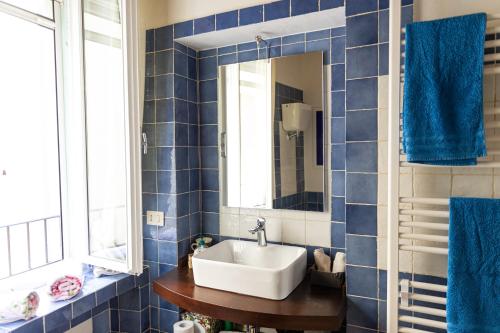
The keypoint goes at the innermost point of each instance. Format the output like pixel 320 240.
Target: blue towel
pixel 473 297
pixel 443 91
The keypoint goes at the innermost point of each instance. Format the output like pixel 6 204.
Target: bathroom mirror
pixel 273 133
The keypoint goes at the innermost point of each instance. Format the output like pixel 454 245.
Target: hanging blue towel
pixel 473 297
pixel 443 91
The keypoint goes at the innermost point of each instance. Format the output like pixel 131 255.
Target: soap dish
pixel 326 279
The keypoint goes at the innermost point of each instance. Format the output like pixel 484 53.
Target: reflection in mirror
pixel 272 133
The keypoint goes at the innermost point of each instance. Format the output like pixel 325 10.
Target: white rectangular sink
pixel 271 272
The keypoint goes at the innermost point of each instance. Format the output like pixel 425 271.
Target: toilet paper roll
pixel 184 326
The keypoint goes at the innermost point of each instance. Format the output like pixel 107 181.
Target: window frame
pixel 72 31
pixel 67 25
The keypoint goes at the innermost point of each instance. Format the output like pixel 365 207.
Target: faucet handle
pixel 261 222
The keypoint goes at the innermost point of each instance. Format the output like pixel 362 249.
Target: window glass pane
pixel 40 7
pixel 106 128
pixel 29 156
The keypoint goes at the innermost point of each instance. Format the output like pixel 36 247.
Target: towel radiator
pixel 419 225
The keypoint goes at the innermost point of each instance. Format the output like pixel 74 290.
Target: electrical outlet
pixel 154 218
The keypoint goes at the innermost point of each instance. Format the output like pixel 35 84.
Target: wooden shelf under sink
pixel 306 308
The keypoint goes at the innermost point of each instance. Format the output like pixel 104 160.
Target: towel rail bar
pixel 425 212
pixel 491 23
pixel 427 298
pixel 424 237
pixel 425 225
pixel 428 286
pixel 433 201
pixel 480 164
pixel 424 249
pixel 424 310
pixel 487 44
pixel 424 322
pixel 411 330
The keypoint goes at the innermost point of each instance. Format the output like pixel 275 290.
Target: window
pixel 69 135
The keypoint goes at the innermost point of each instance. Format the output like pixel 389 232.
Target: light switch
pixel 154 218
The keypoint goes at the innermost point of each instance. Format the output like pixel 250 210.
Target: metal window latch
pixel 405 292
pixel 223 152
pixel 144 143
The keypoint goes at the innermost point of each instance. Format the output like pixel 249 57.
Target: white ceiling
pixel 325 19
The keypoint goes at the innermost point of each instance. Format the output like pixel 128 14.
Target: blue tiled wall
pixel 181 168
pixel 171 167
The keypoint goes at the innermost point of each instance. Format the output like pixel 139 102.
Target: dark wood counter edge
pixel 260 319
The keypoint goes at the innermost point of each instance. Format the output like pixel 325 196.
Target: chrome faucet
pixel 260 230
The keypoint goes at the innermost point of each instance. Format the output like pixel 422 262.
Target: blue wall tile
pixel 150 40
pixel 210 201
pixel 383 66
pixel 180 61
pixel 329 4
pixel 84 304
pixel 204 24
pixel 361 250
pixel 168 204
pixel 227 59
pixel 248 56
pixel 208 113
pixel 150 249
pixel 338 157
pixel 290 49
pixel 362 312
pixel 338 104
pixel 208 91
pixel 300 7
pixel 383 26
pixel 165 110
pixel 180 87
pixel 338 130
pixel 164 62
pixel 362 125
pixel 338 50
pixel 362 62
pixel 316 35
pixel 276 10
pixel 362 30
pixel 167 252
pixel 150 61
pixel 130 321
pixel 382 278
pixel 338 235
pixel 338 186
pixel 227 49
pixel 361 157
pixel 362 94
pixel 105 294
pixel 338 209
pixel 361 188
pixel 130 300
pixel 164 86
pixel 226 20
pixel 59 318
pixel 210 223
pixel 251 15
pixel 208 134
pixel 164 38
pixel 361 281
pixel 183 29
pixel 338 77
pixel 361 219
pixel 292 39
pixel 354 7
pixel 164 134
pixel 167 320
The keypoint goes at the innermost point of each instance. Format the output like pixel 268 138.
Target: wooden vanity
pixel 308 307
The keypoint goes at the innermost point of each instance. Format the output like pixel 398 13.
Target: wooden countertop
pixel 306 308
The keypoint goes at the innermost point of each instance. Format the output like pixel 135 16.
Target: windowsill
pixel 95 292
